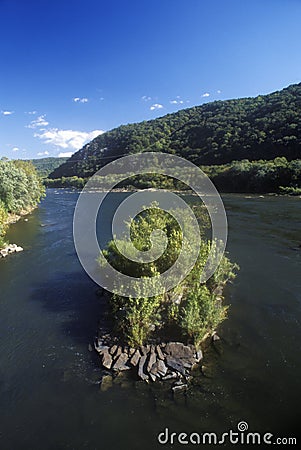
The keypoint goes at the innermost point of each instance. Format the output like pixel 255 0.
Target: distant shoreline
pixel 124 190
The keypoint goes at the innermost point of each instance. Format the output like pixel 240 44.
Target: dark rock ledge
pixel 172 361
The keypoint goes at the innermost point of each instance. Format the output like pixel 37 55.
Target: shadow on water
pixel 73 297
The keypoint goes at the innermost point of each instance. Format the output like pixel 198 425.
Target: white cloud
pixel 156 106
pixel 31 112
pixel 15 149
pixel 176 102
pixel 80 99
pixel 65 154
pixel 7 113
pixel 68 139
pixel 206 94
pixel 43 153
pixel 219 91
pixel 146 98
pixel 38 122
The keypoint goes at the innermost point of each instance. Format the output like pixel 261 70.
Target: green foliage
pixel 3 224
pixel 278 175
pixel 65 182
pixel 257 176
pixel 289 190
pixel 20 190
pixel 45 166
pixel 263 127
pixel 189 309
pixel 202 313
pixel 135 318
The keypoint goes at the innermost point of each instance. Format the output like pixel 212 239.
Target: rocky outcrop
pixel 122 362
pixel 172 361
pixel 11 248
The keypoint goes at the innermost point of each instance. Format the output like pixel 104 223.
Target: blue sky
pixel 72 69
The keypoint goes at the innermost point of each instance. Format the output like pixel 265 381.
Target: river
pixel 49 391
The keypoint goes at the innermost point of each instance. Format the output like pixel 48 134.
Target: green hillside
pixel 45 166
pixel 263 127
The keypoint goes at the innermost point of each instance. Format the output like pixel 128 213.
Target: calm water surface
pixel 49 394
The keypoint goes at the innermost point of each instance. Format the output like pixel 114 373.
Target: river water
pixel 49 394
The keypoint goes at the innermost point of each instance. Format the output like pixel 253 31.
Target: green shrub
pixel 3 224
pixel 20 190
pixel 190 309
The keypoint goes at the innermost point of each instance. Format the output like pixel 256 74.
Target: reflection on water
pixel 50 397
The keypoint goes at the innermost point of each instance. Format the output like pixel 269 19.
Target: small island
pixel 162 338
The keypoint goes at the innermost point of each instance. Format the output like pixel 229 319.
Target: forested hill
pixel 45 166
pixel 263 127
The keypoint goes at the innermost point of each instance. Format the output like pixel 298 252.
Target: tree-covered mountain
pixel 263 127
pixel 45 166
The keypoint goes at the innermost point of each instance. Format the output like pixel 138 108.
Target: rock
pixel 141 373
pixel 217 344
pixel 154 371
pixel 152 376
pixel 187 364
pixel 132 351
pixel 179 356
pixel 11 248
pixel 215 337
pixel 118 352
pixel 151 361
pixel 159 368
pixel 175 364
pixel 178 383
pixel 113 349
pixel 145 349
pixel 162 369
pixel 106 383
pixel 198 356
pixel 135 358
pixel 107 359
pixel 122 362
pixel 179 351
pixel 100 348
pixel 179 388
pixel 159 352
pixel 170 376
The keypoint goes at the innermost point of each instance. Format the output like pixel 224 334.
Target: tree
pixel 190 309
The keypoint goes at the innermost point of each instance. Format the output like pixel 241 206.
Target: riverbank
pixel 7 248
pixel 13 218
pixel 183 192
